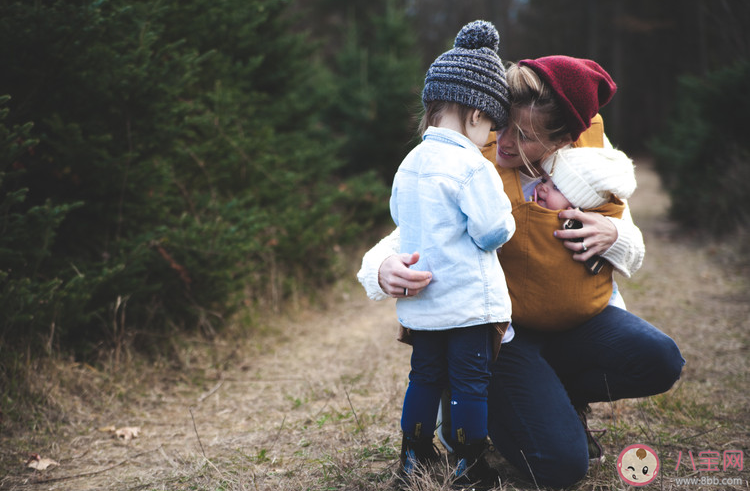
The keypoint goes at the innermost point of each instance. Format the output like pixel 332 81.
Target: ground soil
pixel 313 400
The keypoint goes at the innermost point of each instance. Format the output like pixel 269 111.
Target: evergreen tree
pixel 702 157
pixel 31 301
pixel 378 78
pixel 182 141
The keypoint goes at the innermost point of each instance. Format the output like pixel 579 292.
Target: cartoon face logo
pixel 638 465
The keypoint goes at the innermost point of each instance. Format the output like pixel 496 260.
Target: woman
pixel 543 381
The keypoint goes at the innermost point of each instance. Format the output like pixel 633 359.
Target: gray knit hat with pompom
pixel 471 73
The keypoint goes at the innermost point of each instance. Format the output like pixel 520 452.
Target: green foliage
pixel 377 77
pixel 703 156
pixel 28 296
pixel 179 164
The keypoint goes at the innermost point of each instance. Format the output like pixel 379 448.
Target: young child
pixel 593 179
pixel 449 204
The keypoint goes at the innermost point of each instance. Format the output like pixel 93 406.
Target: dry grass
pixel 314 401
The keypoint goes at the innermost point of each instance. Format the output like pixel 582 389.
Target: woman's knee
pixel 555 455
pixel 558 468
pixel 664 364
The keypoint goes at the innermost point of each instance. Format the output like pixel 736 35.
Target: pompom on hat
pixel 581 86
pixel 471 74
pixel 588 176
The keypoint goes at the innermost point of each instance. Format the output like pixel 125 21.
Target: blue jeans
pixel 540 378
pixel 458 358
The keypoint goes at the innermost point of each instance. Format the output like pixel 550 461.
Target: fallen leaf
pixel 37 462
pixel 128 432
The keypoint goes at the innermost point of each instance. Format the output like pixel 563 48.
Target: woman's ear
pixel 563 142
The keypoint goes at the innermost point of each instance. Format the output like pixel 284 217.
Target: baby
pixel 585 178
pixel 594 186
pixel 593 179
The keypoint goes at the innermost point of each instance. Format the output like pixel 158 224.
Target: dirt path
pixel 275 410
pixel 316 403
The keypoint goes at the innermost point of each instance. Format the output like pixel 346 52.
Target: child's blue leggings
pixel 457 358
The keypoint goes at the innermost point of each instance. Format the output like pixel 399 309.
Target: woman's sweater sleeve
pixel 626 254
pixel 371 261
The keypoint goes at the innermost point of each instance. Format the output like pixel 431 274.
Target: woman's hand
pixel 397 280
pixel 597 232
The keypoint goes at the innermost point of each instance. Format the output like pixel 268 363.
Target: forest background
pixel 169 167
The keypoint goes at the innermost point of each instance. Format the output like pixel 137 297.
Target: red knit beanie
pixel 582 87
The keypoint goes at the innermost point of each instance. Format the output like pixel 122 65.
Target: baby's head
pixel 585 178
pixel 471 75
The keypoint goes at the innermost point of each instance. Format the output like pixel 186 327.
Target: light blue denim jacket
pixel 449 202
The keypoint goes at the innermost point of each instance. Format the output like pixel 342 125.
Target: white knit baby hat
pixel 587 177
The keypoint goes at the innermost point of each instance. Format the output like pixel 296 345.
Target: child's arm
pixel 483 200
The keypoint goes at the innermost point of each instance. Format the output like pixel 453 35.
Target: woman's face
pixel 525 133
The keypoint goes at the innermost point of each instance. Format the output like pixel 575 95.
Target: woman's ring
pixel 583 247
pixel 406 292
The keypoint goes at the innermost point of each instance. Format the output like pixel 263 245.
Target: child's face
pixel 548 196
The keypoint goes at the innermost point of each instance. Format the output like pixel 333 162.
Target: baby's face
pixel 548 196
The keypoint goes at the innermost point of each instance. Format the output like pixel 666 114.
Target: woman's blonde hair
pixel 528 90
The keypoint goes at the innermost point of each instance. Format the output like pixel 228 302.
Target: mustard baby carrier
pixel 549 290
